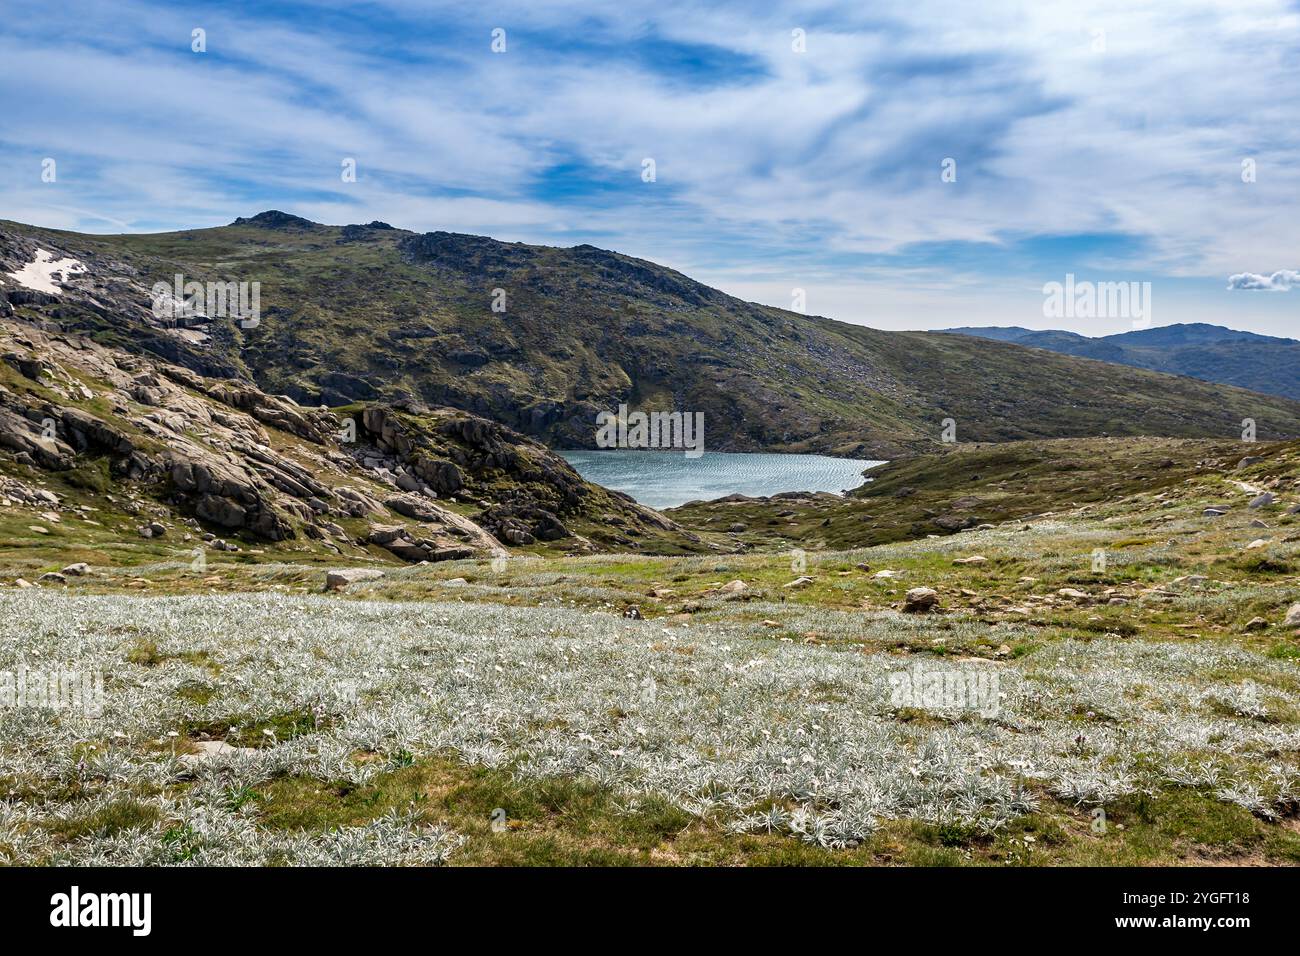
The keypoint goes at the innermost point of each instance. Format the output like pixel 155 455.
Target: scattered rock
pixel 734 587
pixel 799 582
pixel 52 577
pixel 1262 501
pixel 920 600
pixel 77 570
pixel 1074 594
pixel 1292 618
pixel 1256 624
pixel 20 584
pixel 973 559
pixel 1214 512
pixel 342 577
pixel 632 613
pixel 1259 543
pixel 210 749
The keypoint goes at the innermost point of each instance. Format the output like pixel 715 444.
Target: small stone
pixel 1074 594
pixel 210 749
pixel 20 584
pixel 920 600
pixel 342 577
pixel 52 577
pixel 799 582
pixel 78 569
pixel 1292 616
pixel 1259 543
pixel 157 529
pixel 1256 624
pixel 1263 501
pixel 973 559
pixel 38 529
pixel 734 587
pixel 632 613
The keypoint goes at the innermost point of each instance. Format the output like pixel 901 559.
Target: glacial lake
pixel 665 479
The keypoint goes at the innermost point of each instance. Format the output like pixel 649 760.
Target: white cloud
pixel 1280 281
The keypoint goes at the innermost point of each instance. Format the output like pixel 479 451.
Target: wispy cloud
pixel 1092 119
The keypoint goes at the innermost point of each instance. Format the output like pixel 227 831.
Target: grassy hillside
pixel 363 312
pixel 966 485
pixel 1211 353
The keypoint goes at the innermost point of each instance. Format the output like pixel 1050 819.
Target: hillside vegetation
pixel 367 312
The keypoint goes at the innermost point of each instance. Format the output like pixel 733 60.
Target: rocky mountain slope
pixel 102 450
pixel 1263 363
pixel 542 339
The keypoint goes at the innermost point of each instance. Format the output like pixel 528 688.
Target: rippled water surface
pixel 668 479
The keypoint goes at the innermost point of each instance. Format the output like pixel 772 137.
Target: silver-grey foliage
pixel 756 733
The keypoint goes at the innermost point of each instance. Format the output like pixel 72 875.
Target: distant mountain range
pixel 542 339
pixel 1211 353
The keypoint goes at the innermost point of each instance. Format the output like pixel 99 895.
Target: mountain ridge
pixel 1213 353
pixel 367 312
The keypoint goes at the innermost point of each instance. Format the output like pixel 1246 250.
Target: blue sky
pixel 1089 138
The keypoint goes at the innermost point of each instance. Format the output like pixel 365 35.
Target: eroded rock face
pixel 165 440
pixel 526 492
pixel 232 498
pixel 418 545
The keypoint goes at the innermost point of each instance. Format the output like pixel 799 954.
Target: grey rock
pixel 342 577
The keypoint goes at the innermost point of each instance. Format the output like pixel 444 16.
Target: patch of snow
pixel 39 275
